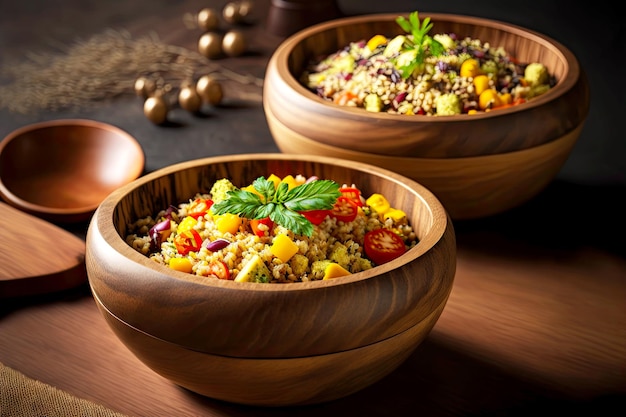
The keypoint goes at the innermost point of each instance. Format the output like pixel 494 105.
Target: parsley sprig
pixel 419 43
pixel 281 204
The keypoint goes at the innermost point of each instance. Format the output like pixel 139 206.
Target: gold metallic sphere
pixel 209 89
pixel 234 43
pixel 208 19
pixel 155 109
pixel 189 99
pixel 210 45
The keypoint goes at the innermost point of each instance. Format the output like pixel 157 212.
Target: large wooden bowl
pixel 469 188
pixel 61 170
pixel 216 337
pixel 543 119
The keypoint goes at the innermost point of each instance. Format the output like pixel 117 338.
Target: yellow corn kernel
pixel 283 248
pixel 376 41
pixel 394 214
pixel 481 83
pixel 187 224
pixel 489 99
pixel 378 203
pixel 469 68
pixel 472 111
pixel 181 264
pixel 334 270
pixel 228 223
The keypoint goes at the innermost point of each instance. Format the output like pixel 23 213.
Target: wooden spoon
pixel 38 256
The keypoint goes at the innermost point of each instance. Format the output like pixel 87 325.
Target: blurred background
pixel 594 34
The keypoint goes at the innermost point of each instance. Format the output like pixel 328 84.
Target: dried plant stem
pixel 101 68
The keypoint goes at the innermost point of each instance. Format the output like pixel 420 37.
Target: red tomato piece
pixel 315 216
pixel 345 209
pixel 353 194
pixel 219 269
pixel 383 245
pixel 188 241
pixel 199 207
pixel 260 232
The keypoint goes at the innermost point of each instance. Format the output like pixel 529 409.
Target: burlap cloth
pixel 21 396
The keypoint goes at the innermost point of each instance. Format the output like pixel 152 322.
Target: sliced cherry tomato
pixel 315 216
pixel 260 231
pixel 188 241
pixel 199 207
pixel 383 245
pixel 219 269
pixel 345 209
pixel 353 194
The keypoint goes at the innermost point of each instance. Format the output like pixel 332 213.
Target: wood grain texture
pixel 469 188
pixel 256 321
pixel 276 381
pixel 34 261
pixel 61 170
pixel 543 119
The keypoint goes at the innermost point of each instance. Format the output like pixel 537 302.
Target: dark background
pixel 595 34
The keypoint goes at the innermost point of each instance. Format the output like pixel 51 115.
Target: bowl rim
pixel 103 220
pixel 280 59
pixel 64 213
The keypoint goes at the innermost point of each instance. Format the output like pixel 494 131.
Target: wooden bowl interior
pixel 291 320
pixel 64 169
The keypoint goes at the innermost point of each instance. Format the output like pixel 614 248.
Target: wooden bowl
pixel 545 118
pixel 61 170
pixel 216 336
pixel 469 188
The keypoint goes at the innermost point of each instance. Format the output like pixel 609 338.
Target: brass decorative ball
pixel 208 19
pixel 209 89
pixel 210 45
pixel 144 87
pixel 231 12
pixel 189 99
pixel 234 43
pixel 155 109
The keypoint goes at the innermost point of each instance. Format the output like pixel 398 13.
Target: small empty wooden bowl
pixel 61 170
pixel 542 119
pixel 270 344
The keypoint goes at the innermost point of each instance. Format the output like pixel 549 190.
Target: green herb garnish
pixel 419 43
pixel 282 205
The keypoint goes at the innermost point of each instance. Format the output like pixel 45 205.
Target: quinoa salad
pixel 416 74
pixel 275 230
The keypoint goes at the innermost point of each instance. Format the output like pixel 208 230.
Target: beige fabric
pixel 21 396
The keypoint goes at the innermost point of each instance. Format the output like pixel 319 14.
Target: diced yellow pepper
pixel 469 68
pixel 481 83
pixel 394 214
pixel 228 223
pixel 188 223
pixel 283 247
pixel 376 41
pixel 250 188
pixel 290 181
pixel 489 99
pixel 506 98
pixel 181 264
pixel 379 203
pixel 334 270
pixel 275 179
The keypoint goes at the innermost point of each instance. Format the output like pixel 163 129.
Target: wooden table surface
pixel 536 321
